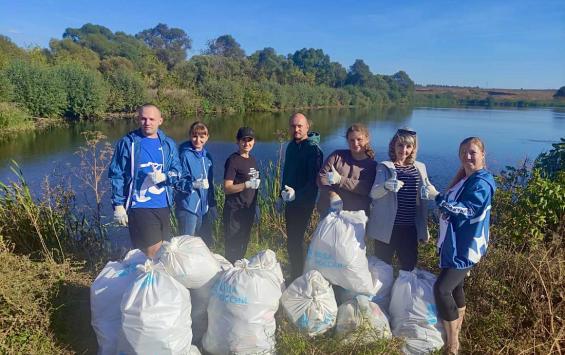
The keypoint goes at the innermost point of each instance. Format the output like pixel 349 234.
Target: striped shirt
pixel 406 196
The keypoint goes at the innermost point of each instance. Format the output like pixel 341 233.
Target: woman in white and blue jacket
pixel 464 234
pixel 195 206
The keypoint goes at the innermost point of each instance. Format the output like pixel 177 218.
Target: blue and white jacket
pixel 195 165
pixel 122 171
pixel 467 233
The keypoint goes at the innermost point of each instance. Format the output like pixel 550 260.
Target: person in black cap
pixel 241 181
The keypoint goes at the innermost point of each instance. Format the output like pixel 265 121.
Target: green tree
pixel 170 44
pixel 315 62
pixel 268 65
pixel 37 88
pixel 67 51
pixel 225 46
pixel 404 82
pixel 86 91
pixel 559 94
pixel 127 90
pixel 9 51
pixel 359 74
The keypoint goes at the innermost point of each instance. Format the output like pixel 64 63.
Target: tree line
pixel 93 71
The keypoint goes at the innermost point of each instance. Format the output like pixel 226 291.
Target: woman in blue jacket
pixel 195 198
pixel 464 234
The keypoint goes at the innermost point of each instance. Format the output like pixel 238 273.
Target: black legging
pixel 449 293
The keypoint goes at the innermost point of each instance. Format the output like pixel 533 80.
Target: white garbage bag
pixel 338 251
pixel 383 278
pixel 383 275
pixel 155 314
pixel 200 298
pixel 135 256
pixel 241 312
pixel 189 261
pixel 413 314
pixel 309 303
pixel 105 296
pixel 224 263
pixel 358 311
pixel 194 351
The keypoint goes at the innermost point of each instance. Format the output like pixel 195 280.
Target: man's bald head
pixel 298 126
pixel 149 118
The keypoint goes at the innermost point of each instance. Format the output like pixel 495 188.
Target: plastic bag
pixel 338 251
pixel 309 303
pixel 241 312
pixel 155 314
pixel 354 313
pixel 413 314
pixel 189 261
pixel 200 298
pixel 383 279
pixel 105 296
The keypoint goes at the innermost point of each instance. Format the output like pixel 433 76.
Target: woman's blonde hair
pixel 461 171
pixel 405 136
pixel 361 128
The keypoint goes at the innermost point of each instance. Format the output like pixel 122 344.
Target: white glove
pixel 120 215
pixel 252 184
pixel 428 191
pixel 336 203
pixel 212 214
pixel 333 177
pixel 288 194
pixel 279 205
pixel 157 176
pixel 201 184
pixel 393 185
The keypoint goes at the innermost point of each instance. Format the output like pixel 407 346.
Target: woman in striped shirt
pixel 398 215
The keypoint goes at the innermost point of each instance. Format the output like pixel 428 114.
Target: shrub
pixel 12 117
pixel 528 209
pixel 258 99
pixel 6 89
pixel 177 102
pixel 86 92
pixel 515 303
pixel 552 162
pixel 224 95
pixel 37 88
pixel 127 91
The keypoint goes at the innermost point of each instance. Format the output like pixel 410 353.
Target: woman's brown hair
pixel 361 128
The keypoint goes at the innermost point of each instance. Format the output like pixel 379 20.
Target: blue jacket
pixel 195 165
pixel 467 233
pixel 122 172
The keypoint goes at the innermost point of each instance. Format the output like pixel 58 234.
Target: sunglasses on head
pixel 406 131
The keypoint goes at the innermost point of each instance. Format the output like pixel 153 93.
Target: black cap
pixel 245 132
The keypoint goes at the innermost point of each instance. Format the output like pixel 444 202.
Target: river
pixel 510 137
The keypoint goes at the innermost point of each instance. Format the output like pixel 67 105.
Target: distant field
pixel 479 93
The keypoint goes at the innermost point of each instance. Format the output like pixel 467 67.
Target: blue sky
pixel 502 44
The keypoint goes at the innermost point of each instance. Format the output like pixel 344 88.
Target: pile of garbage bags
pixel 190 296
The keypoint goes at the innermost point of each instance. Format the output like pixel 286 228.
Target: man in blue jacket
pixel 144 167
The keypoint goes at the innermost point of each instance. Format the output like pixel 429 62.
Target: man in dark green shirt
pixel 303 160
